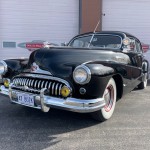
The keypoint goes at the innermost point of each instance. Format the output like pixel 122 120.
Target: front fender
pixel 14 67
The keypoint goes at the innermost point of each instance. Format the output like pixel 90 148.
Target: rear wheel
pixel 110 99
pixel 143 84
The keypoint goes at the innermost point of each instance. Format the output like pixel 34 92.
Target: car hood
pixel 62 61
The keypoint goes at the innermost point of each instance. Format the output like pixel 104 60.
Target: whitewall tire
pixel 110 99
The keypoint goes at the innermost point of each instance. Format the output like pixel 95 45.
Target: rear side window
pixel 107 41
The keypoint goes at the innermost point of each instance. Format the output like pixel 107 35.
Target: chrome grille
pixel 36 84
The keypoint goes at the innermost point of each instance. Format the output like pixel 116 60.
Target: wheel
pixel 110 99
pixel 143 84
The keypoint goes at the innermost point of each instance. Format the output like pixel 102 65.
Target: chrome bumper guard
pixel 44 102
pixel 3 90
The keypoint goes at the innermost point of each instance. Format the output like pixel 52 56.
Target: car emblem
pixel 36 69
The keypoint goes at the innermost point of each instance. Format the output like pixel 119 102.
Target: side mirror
pixel 145 47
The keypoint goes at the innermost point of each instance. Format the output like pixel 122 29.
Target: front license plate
pixel 26 99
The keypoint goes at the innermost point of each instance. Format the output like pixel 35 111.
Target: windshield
pixel 97 41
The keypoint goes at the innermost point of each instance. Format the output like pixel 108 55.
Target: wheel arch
pixel 145 66
pixel 119 85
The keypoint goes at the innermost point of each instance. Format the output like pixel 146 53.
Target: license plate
pixel 26 99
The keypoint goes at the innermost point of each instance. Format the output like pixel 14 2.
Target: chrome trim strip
pixel 44 77
pixel 22 88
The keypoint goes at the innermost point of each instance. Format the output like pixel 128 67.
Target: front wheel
pixel 110 99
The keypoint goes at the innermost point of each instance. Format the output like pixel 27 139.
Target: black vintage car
pixel 86 76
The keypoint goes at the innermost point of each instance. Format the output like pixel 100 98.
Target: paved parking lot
pixel 23 128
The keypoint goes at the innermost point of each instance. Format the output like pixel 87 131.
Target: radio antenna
pixel 97 26
pixel 93 33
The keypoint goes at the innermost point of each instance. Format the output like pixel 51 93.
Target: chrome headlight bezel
pixel 82 75
pixel 3 67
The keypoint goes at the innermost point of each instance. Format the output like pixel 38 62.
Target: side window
pixel 132 45
pixel 138 46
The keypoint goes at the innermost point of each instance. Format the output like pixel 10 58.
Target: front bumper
pixel 4 91
pixel 44 102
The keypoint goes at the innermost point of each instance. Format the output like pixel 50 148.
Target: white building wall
pixel 55 21
pixel 132 16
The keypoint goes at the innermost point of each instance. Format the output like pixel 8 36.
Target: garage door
pixel 130 16
pixel 55 21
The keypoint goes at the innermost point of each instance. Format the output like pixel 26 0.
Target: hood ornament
pixel 36 69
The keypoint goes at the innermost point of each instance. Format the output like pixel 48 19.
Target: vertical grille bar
pixel 35 84
pixel 42 85
pixel 29 82
pixel 56 88
pixel 49 86
pixel 32 83
pixel 53 88
pixel 46 84
pixel 39 84
pixel 60 89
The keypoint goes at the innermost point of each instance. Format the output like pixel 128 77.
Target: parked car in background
pixel 36 44
pixel 146 49
pixel 86 76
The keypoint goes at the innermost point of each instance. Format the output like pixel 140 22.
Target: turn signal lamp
pixel 65 91
pixel 6 83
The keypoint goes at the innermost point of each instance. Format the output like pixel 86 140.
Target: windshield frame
pixel 91 39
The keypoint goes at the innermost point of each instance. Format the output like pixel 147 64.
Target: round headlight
pixel 82 74
pixel 3 67
pixel 126 41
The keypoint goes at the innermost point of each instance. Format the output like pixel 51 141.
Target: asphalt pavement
pixel 23 128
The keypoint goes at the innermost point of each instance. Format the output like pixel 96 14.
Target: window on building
pixel 9 44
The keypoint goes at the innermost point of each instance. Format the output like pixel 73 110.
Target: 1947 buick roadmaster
pixel 86 76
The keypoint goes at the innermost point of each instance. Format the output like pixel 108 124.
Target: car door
pixel 137 58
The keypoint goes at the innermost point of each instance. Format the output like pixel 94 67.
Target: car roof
pixel 120 33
